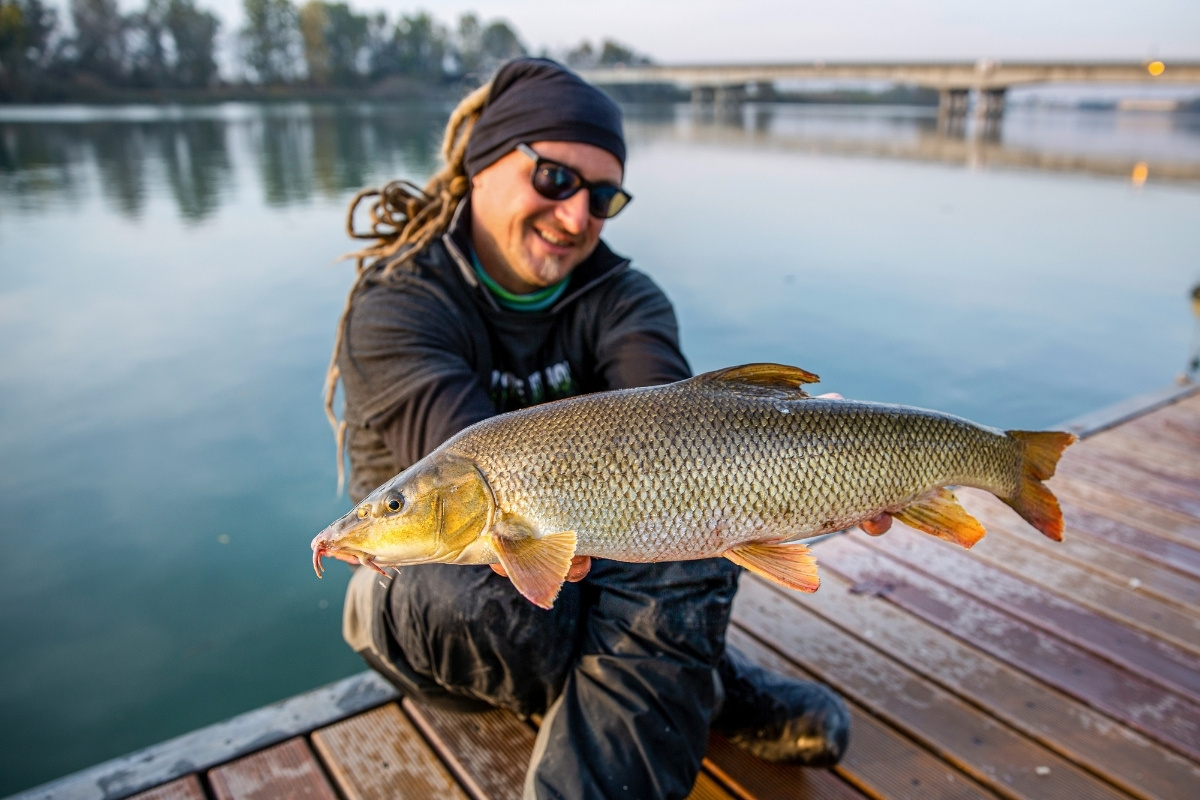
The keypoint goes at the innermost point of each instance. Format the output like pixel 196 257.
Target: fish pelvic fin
pixel 1036 504
pixel 536 566
pixel 790 565
pixel 775 376
pixel 940 515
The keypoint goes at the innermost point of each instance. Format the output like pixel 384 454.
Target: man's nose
pixel 572 213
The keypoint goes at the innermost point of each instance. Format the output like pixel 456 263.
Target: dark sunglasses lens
pixel 555 182
pixel 607 201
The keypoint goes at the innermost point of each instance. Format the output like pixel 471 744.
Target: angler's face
pixel 428 513
pixel 533 241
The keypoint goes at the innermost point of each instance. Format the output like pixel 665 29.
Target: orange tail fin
pixel 1033 501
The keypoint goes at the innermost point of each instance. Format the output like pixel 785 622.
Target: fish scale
pixel 751 463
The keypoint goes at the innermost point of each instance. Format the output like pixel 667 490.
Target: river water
pixel 169 290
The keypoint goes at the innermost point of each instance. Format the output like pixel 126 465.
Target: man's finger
pixel 579 568
pixel 877 525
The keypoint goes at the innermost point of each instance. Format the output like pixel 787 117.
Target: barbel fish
pixel 739 463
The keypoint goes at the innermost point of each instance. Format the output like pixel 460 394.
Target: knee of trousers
pixel 470 631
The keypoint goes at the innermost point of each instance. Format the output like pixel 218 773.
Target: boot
pixel 777 718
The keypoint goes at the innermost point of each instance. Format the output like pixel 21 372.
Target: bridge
pixel 732 84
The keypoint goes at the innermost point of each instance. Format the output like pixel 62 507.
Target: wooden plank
pixel 1149 404
pixel 1117 530
pixel 1100 594
pixel 750 778
pixel 706 788
pixel 1162 715
pixel 287 771
pixel 1149 656
pixel 1179 496
pixel 1153 453
pixel 1110 750
pixel 380 755
pixel 991 752
pixel 216 744
pixel 186 788
pixel 1162 522
pixel 881 762
pixel 1094 555
pixel 488 753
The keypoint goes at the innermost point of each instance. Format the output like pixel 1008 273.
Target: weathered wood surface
pixel 749 778
pixel 287 771
pixel 380 755
pixel 216 744
pixel 881 761
pixel 488 752
pixel 1140 703
pixel 187 788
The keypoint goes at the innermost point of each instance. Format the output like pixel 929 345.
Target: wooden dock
pixel 1024 668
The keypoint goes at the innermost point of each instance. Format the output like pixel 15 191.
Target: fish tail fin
pixel 1036 504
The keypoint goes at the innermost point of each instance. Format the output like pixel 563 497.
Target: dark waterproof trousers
pixel 623 663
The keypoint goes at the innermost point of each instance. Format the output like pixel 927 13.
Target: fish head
pixel 428 513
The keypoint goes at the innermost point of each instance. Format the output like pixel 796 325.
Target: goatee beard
pixel 549 271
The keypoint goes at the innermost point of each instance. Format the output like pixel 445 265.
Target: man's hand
pixel 579 569
pixel 877 525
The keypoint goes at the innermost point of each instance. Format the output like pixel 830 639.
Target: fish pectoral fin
pixel 775 376
pixel 536 566
pixel 941 515
pixel 790 565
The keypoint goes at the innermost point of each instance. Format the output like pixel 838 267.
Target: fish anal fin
pixel 776 376
pixel 536 566
pixel 941 515
pixel 1035 503
pixel 790 565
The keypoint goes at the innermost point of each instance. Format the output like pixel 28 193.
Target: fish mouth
pixel 321 549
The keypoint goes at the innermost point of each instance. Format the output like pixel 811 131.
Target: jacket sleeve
pixel 637 338
pixel 405 365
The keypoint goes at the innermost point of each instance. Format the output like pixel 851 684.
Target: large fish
pixel 738 463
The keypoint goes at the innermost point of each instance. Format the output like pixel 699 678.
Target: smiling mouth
pixel 554 239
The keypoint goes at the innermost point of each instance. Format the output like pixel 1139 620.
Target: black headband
pixel 535 99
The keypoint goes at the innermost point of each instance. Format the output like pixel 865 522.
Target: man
pixel 492 291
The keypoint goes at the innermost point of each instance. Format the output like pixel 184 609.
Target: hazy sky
pixel 761 30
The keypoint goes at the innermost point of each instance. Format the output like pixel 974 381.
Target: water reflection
pixel 305 150
pixel 1158 147
pixel 300 151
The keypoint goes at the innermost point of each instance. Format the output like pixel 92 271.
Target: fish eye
pixel 394 503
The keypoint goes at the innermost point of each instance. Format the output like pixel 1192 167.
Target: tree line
pixel 172 45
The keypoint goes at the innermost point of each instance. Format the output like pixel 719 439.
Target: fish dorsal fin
pixel 536 566
pixel 773 376
pixel 940 514
pixel 790 565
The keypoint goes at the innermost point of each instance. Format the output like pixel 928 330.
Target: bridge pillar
pixel 729 98
pixel 953 102
pixel 703 95
pixel 990 104
pixel 723 98
pixel 764 91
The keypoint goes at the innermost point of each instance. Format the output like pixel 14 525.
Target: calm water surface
pixel 168 295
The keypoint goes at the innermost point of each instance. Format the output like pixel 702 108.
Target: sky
pixel 682 31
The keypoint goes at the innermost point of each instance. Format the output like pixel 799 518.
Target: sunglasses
pixel 555 181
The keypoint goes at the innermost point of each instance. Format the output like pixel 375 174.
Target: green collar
pixel 540 300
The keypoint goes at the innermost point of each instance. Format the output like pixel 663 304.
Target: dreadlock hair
pixel 403 220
